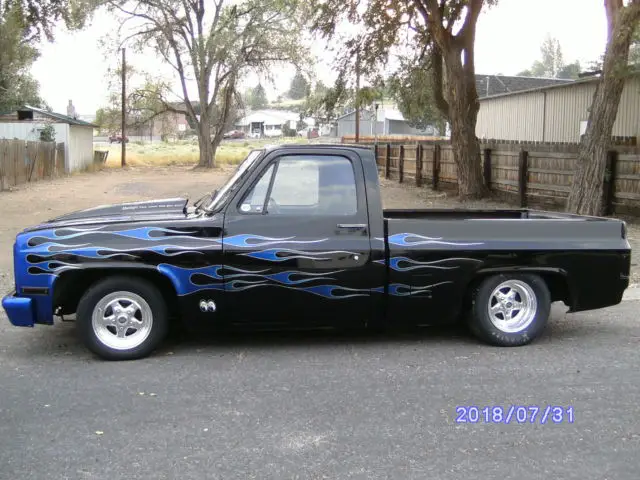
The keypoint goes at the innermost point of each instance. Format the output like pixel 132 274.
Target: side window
pixel 254 201
pixel 306 185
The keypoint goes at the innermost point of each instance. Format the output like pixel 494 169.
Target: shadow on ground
pixel 61 340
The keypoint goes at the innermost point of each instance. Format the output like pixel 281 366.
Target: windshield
pixel 234 180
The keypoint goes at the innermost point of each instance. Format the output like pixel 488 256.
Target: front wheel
pixel 510 309
pixel 121 318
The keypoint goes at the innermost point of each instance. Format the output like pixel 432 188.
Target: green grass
pixel 187 153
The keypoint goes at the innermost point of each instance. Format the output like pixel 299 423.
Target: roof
pixel 269 116
pixel 573 83
pixel 383 114
pixel 491 85
pixel 58 116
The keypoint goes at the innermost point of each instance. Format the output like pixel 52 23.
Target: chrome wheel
pixel 122 320
pixel 512 306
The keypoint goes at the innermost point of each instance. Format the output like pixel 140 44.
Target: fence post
pixel 387 162
pixel 522 177
pixel 610 181
pixel 401 165
pixel 436 167
pixel 487 167
pixel 419 152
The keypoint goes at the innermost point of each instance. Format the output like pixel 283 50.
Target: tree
pixel 39 17
pixel 570 71
pixel 412 88
pixel 587 190
pixel 256 98
pixel 17 86
pixel 299 87
pixel 426 27
pixel 551 63
pixel 213 43
pixel 634 51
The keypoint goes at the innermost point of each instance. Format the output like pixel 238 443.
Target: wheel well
pixel 557 284
pixel 71 285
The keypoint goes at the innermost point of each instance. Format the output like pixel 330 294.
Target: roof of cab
pixel 298 146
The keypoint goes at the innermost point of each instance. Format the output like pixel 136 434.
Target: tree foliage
pixel 299 87
pixel 256 98
pixel 211 45
pixel 551 63
pixel 17 86
pixel 439 34
pixel 39 17
pixel 412 89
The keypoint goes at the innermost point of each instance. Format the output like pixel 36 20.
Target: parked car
pixel 235 134
pixel 309 133
pixel 297 237
pixel 118 139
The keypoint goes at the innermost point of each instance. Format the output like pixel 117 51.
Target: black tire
pixel 480 320
pixel 137 286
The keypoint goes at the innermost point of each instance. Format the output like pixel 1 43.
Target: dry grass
pixel 185 153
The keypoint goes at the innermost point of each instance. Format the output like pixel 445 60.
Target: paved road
pixel 323 405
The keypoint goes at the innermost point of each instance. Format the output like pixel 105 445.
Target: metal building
pixel 556 113
pixel 388 121
pixel 77 135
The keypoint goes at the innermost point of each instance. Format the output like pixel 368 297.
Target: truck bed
pixel 483 214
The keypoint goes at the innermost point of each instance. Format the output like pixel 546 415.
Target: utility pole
pixel 123 133
pixel 357 94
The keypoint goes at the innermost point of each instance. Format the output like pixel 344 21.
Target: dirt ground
pixel 33 203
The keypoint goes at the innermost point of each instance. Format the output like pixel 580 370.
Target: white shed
pixel 77 135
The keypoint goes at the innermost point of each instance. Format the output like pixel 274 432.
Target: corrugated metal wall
pixel 399 127
pixel 566 108
pixel 347 126
pixel 30 131
pixel 80 148
pixel 513 117
pixel 525 116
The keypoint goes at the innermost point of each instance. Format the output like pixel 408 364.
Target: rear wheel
pixel 510 309
pixel 121 318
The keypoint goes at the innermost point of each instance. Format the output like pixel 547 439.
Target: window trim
pixel 253 185
pixel 276 161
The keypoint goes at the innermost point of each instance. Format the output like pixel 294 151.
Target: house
pixel 77 135
pixel 555 113
pixel 267 122
pixel 158 127
pixel 381 121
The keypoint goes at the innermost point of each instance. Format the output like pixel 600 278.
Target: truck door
pixel 296 246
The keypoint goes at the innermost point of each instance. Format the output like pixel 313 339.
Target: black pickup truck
pixel 298 238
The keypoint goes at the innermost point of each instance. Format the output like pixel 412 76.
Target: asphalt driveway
pixel 308 405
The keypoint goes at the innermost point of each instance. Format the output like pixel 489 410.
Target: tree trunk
pixel 587 190
pixel 463 113
pixel 207 152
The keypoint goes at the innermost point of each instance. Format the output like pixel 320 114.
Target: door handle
pixel 353 226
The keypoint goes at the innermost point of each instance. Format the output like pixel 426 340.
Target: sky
pixel 508 38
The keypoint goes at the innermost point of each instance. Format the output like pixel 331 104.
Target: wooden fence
pixel 22 162
pixel 529 174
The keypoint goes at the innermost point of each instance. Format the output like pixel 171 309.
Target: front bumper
pixel 20 310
